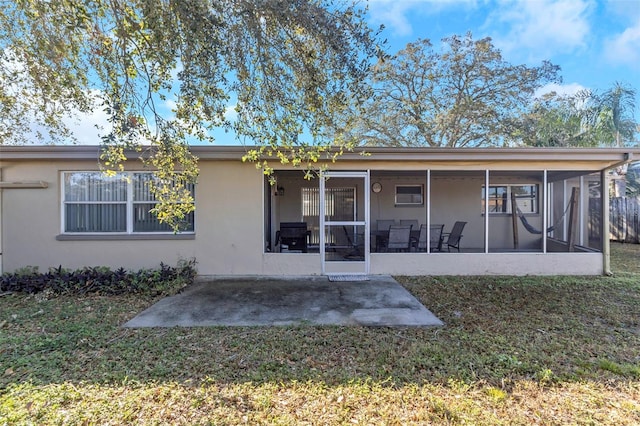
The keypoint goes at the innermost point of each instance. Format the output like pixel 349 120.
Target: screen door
pixel 344 223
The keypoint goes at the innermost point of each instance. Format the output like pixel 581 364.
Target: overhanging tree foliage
pixel 463 96
pixel 289 66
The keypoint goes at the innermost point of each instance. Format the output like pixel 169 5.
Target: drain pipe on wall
pixel 1 196
pixel 605 233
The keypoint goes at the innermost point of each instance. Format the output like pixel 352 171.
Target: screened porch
pixel 508 217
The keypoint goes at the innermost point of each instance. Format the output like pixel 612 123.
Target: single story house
pixel 522 211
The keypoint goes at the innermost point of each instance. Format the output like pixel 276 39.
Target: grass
pixel 515 350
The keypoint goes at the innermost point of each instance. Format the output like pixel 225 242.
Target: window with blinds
pixel 97 203
pixel 339 204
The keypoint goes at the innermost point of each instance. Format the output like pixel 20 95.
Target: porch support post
pixel 367 219
pixel 1 197
pixel 486 211
pixel 545 210
pixel 581 211
pixel 564 206
pixel 322 223
pixel 428 211
pixel 604 232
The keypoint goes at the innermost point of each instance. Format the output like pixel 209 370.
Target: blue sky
pixel 595 42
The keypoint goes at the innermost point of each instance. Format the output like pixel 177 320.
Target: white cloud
pixel 539 29
pixel 88 127
pixel 170 105
pixel 394 14
pixel 624 48
pixel 230 113
pixel 560 89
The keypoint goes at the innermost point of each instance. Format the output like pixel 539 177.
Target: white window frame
pixel 509 186
pixel 130 203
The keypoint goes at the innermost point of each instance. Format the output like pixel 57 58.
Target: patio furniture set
pixel 389 236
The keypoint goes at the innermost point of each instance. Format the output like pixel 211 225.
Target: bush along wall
pixel 101 280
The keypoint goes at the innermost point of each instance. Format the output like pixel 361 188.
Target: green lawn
pixel 515 350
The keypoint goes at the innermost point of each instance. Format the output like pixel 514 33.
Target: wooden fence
pixel 625 219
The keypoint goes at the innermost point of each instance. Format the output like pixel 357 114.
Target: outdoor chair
pixel 384 224
pixel 293 235
pixel 412 222
pixel 382 230
pixel 435 238
pixel 453 238
pixel 399 238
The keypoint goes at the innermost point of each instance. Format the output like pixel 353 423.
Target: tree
pixel 289 65
pixel 558 121
pixel 464 96
pixel 615 114
pixel 586 118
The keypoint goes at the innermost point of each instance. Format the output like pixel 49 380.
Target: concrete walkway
pixel 260 301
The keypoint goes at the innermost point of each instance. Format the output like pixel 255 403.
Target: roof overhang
pixel 491 158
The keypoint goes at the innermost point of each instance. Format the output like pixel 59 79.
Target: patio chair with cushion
pixel 453 238
pixel 399 238
pixel 293 236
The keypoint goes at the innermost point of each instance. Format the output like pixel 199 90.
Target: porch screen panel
pixel 339 205
pixel 509 230
pixel 95 202
pixel 594 224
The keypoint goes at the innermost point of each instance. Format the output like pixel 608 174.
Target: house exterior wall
pixel 487 264
pixel 230 223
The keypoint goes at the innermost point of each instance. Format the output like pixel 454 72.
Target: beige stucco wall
pixel 228 224
pixel 230 227
pixel 487 264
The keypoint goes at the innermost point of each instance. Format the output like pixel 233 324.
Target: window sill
pixel 118 237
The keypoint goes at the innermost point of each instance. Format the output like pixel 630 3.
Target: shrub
pixel 163 280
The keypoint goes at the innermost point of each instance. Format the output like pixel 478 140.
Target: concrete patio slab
pixel 265 301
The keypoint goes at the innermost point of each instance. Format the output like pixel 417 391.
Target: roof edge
pixel 235 152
